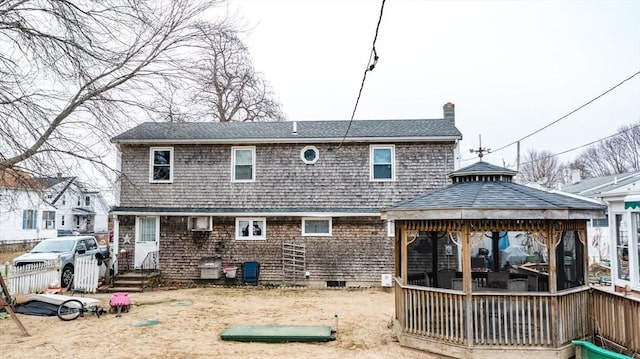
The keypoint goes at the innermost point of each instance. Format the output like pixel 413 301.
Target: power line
pixel 585 145
pixel 570 113
pixel 370 66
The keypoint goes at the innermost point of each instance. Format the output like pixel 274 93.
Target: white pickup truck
pixel 65 248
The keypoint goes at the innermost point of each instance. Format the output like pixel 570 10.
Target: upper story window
pixel 316 226
pixel 161 165
pixel 309 155
pixel 382 163
pixel 87 201
pixel 64 200
pixel 243 160
pixel 251 228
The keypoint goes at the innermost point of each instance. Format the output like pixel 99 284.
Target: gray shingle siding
pixel 358 250
pixel 340 178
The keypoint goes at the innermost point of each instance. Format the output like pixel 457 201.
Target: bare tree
pixel 74 73
pixel 542 168
pixel 617 154
pixel 227 88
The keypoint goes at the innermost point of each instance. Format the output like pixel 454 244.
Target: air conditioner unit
pixel 200 223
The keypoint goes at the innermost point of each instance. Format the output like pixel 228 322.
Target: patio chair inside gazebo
pixel 528 306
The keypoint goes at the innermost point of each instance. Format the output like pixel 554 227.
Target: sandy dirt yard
pixel 191 321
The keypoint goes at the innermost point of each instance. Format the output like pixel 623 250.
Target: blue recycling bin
pixel 250 272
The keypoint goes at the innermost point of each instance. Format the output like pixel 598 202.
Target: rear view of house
pixel 302 199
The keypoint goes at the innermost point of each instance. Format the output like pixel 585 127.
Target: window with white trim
pixel 147 229
pixel 29 218
pixel 49 219
pixel 622 246
pixel 87 201
pixel 62 220
pixel 382 161
pixel 251 228
pixel 161 165
pixel 309 155
pixel 243 161
pixel 315 226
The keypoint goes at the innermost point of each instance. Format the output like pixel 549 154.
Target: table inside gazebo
pixel 484 280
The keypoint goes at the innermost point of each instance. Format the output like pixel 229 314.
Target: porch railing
pixel 616 319
pixel 527 319
pixel 149 265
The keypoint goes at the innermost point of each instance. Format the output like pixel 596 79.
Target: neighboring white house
pixel 597 228
pixel 621 194
pixel 78 209
pixel 24 214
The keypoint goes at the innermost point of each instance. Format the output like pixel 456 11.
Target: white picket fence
pixel 36 278
pixel 86 274
pixel 30 278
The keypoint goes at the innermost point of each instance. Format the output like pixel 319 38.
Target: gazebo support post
pixel 434 250
pixel 495 249
pixel 582 237
pixel 553 239
pixel 404 266
pixel 467 283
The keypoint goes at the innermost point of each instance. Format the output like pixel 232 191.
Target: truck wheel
pixel 67 277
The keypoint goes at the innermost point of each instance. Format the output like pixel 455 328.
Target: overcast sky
pixel 510 67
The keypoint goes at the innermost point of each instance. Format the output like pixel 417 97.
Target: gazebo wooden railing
pixel 495 319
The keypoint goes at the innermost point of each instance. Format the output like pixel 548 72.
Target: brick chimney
pixel 449 111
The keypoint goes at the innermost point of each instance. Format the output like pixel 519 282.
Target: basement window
pixel 336 284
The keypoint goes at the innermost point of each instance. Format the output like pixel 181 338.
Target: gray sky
pixel 510 67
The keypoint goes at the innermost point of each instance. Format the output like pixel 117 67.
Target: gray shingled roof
pixel 437 129
pixel 494 195
pixel 483 168
pixel 593 187
pixel 227 211
pixel 479 199
pixel 52 181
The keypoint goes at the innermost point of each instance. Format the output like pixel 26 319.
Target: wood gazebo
pixel 489 268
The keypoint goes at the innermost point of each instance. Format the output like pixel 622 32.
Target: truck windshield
pixel 54 246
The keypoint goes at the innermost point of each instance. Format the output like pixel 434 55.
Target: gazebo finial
pixel 481 150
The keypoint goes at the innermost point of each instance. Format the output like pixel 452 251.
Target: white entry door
pixel 147 242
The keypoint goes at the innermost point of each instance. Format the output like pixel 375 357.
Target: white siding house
pixel 621 236
pixel 24 214
pixel 78 209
